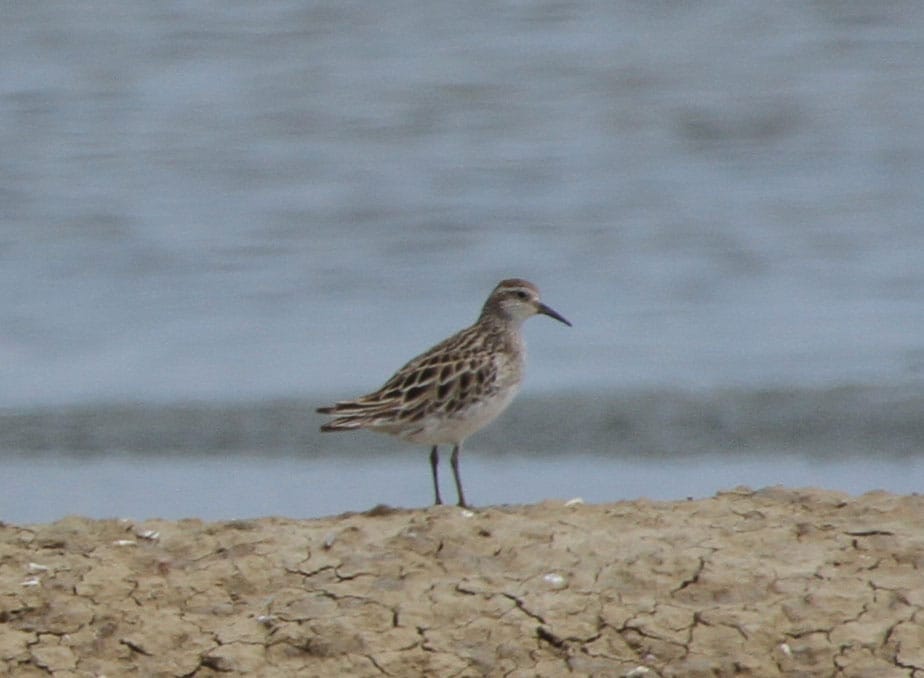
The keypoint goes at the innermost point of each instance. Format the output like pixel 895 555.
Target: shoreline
pixel 769 582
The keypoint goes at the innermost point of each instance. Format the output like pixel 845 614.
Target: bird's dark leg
pixel 434 462
pixel 454 460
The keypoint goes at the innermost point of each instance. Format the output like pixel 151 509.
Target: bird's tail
pixel 352 415
pixel 343 424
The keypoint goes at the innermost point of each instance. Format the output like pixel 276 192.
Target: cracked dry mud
pixel 773 582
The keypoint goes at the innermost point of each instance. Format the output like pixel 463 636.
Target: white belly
pixel 437 431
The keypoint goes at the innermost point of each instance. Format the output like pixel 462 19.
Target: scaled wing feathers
pixel 438 382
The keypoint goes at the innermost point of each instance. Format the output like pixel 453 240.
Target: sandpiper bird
pixel 456 388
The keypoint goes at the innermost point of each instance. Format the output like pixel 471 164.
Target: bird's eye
pixel 522 295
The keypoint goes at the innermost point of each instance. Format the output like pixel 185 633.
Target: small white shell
pixel 555 580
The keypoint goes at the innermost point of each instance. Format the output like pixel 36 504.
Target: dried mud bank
pixel 773 582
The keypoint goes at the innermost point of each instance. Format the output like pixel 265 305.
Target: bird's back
pixel 444 394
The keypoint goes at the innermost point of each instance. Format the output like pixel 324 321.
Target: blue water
pixel 247 487
pixel 256 209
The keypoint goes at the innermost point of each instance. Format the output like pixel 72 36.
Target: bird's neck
pixel 505 331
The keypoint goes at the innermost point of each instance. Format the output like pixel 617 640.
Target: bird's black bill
pixel 545 310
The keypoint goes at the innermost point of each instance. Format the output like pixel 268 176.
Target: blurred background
pixel 215 217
